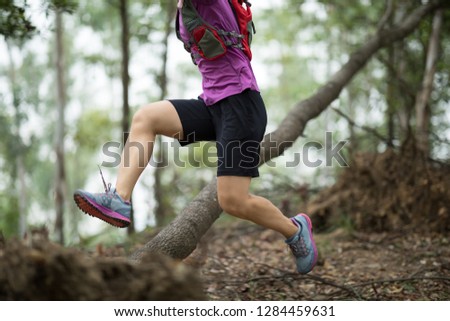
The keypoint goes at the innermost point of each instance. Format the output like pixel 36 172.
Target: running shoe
pixel 107 206
pixel 302 244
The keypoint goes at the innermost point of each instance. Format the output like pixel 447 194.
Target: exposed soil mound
pixel 388 191
pixel 45 271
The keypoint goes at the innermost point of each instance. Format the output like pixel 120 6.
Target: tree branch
pixel 407 279
pixel 365 128
pixel 288 274
pixel 403 84
pixel 386 16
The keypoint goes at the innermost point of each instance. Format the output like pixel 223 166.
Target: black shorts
pixel 237 124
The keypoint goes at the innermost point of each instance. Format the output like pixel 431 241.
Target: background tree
pixel 16 147
pixel 125 50
pixel 163 208
pixel 60 183
pixel 422 106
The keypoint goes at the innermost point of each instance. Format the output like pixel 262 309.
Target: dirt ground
pixel 244 262
pixel 235 261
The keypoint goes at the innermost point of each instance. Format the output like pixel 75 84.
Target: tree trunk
pixel 391 98
pixel 125 44
pixel 60 184
pixel 422 107
pixel 181 236
pixel 395 69
pixel 163 209
pixel 21 172
pixel 22 195
pixel 390 92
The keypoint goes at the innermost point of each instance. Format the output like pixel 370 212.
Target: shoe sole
pixel 87 206
pixel 310 229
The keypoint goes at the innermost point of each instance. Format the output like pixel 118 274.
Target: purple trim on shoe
pixel 107 211
pixel 311 238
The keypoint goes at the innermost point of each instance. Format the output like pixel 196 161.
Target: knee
pixel 144 118
pixel 140 118
pixel 232 204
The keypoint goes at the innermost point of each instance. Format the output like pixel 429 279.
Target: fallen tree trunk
pixel 182 235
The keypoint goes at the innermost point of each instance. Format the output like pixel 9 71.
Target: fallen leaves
pixel 251 263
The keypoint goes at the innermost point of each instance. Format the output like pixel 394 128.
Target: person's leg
pixel 113 205
pixel 153 119
pixel 241 121
pixel 235 199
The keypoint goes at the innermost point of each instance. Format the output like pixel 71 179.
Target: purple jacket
pixel 230 74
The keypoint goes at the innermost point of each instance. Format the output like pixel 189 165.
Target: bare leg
pixel 149 121
pixel 235 199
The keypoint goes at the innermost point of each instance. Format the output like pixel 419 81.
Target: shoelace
pixel 107 187
pixel 299 247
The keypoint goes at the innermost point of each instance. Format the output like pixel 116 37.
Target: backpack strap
pixel 246 26
pixel 191 19
pixel 217 38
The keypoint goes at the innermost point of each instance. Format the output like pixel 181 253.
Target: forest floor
pixel 235 260
pixel 240 261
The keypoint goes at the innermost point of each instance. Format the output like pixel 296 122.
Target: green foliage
pixel 14 22
pixel 7 142
pixel 42 174
pixel 101 16
pixel 93 129
pixel 109 236
pixel 68 6
pixel 352 15
pixel 9 218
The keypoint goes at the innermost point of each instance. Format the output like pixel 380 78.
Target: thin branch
pixel 312 277
pixel 348 289
pixel 422 270
pixel 416 278
pixel 386 16
pixel 365 128
pixel 406 88
pixel 439 139
pixel 296 276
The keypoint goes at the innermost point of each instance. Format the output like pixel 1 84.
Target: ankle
pixel 126 197
pixel 291 230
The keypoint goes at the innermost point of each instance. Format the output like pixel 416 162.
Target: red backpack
pixel 246 26
pixel 209 42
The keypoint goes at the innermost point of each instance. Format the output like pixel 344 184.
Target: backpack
pixel 211 43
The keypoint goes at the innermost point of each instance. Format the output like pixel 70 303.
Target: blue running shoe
pixel 108 206
pixel 302 244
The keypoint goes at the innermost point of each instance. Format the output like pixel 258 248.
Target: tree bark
pixel 163 208
pixel 20 166
pixel 422 107
pixel 125 41
pixel 125 44
pixel 388 19
pixel 60 184
pixel 181 236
